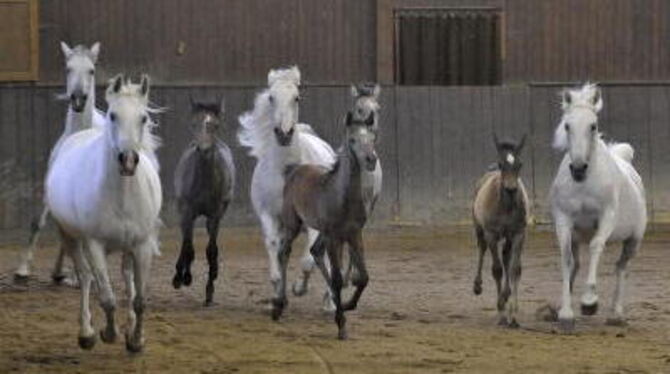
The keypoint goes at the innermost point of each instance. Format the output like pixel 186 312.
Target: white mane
pixel 256 131
pixel 150 141
pixel 587 97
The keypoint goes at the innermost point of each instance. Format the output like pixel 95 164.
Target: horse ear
pixel 222 105
pixel 521 144
pixel 95 51
pixel 296 74
pixel 566 97
pixel 597 100
pixel 354 91
pixel 144 85
pixel 376 91
pixel 496 141
pixel 117 83
pixel 67 51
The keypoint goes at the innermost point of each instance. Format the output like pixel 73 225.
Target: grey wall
pixel 436 142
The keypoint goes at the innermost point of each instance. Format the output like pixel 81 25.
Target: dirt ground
pixel 417 316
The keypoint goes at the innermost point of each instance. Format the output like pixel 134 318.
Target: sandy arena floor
pixel 418 315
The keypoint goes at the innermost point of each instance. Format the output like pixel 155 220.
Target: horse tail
pixel 623 150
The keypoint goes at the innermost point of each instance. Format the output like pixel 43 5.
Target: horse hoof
pixel 616 321
pixel 209 303
pixel 276 313
pixel 514 324
pixel 133 346
pixel 278 306
pixel 503 321
pixel 566 325
pixel 21 278
pixel 342 334
pixel 176 282
pixel 299 289
pixel 108 336
pixel 87 342
pixel 477 289
pixel 58 279
pixel 187 279
pixel 589 310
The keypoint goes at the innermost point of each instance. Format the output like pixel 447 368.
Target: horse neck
pixel 347 179
pixel 508 202
pixel 84 120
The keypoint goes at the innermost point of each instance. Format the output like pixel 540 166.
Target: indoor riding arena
pixel 334 186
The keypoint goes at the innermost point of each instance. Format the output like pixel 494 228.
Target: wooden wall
pixel 435 143
pixel 223 41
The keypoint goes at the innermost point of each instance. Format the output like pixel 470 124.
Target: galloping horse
pixel 81 114
pixel 597 197
pixel 331 201
pixel 500 212
pixel 105 194
pixel 204 183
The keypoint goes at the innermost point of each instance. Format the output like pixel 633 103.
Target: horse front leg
pixel 212 257
pixel 497 273
pixel 271 235
pixel 481 245
pixel 142 256
pixel 127 270
pixel 334 254
pixel 301 285
pixel 629 250
pixel 564 227
pixel 96 256
pixel 26 255
pixel 87 335
pixel 605 227
pixel 182 274
pixel 360 281
pixel 514 275
pixel 318 251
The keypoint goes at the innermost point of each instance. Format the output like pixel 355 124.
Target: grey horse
pixel 204 184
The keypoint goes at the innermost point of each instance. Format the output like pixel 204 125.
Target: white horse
pixel 104 192
pixel 275 138
pixel 81 114
pixel 597 197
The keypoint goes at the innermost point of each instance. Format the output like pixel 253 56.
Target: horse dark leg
pixel 357 257
pixel 212 257
pixel 497 272
pixel 515 277
pixel 318 251
pixel 334 249
pixel 280 301
pixel 183 268
pixel 481 244
pixel 506 259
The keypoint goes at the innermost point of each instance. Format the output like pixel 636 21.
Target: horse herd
pixel 104 192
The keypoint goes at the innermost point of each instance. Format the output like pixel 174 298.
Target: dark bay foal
pixel 204 183
pixel 500 212
pixel 332 202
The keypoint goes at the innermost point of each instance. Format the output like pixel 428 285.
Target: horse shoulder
pixel 486 196
pixel 184 172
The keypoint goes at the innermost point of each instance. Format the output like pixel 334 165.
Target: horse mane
pixel 256 125
pixel 587 97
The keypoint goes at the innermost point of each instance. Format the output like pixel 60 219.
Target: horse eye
pixel 567 127
pixel 112 117
pixel 271 99
pixel 91 72
pixel 593 127
pixel 297 99
pixel 144 119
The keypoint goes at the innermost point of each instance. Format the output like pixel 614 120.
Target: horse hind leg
pixel 357 256
pixel 212 257
pixel 280 301
pixel 629 250
pixel 481 245
pixel 26 255
pixel 97 259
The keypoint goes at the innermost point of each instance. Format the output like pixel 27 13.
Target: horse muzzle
pixel 370 162
pixel 78 102
pixel 578 172
pixel 128 161
pixel 284 138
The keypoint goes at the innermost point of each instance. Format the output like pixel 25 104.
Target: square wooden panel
pixel 18 40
